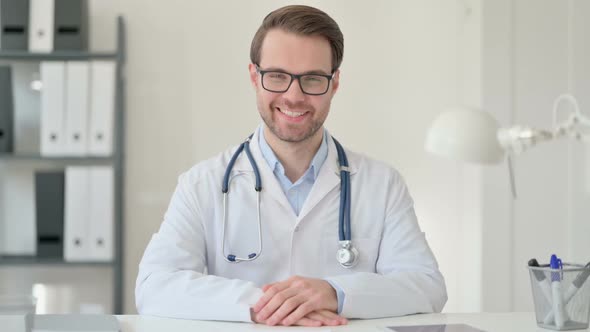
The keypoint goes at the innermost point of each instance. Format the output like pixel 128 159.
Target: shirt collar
pixel 274 163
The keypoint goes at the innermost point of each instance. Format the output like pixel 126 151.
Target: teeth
pixel 291 114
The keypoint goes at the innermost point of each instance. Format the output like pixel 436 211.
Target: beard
pixel 292 132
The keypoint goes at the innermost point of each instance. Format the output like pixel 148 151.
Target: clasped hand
pixel 298 301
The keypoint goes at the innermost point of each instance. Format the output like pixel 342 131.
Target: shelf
pixel 57 56
pixel 31 260
pixel 117 160
pixel 72 159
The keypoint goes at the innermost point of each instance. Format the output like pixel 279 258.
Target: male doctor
pixel 291 274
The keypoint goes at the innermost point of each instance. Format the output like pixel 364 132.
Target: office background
pixel 188 97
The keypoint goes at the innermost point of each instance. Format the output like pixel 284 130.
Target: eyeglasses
pixel 280 81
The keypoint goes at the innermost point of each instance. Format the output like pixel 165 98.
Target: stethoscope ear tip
pixel 234 259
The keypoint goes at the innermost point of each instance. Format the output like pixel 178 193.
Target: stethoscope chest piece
pixel 347 255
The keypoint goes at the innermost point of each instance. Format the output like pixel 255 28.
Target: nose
pixel 294 93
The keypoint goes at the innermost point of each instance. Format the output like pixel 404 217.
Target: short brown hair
pixel 301 20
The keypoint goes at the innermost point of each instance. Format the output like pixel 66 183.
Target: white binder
pixel 76 244
pixel 41 25
pixel 76 108
pixel 102 107
pixel 101 213
pixel 52 108
pixel 17 209
pixel 89 214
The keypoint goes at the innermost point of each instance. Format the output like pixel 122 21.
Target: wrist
pixel 338 297
pixel 333 302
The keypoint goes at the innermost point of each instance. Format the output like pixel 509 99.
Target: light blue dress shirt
pixel 297 192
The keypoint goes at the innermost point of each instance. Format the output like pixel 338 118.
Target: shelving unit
pixel 56 56
pixel 28 260
pixel 117 160
pixel 68 160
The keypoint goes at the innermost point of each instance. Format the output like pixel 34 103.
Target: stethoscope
pixel 347 255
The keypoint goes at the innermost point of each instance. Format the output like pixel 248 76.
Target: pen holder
pixel 561 296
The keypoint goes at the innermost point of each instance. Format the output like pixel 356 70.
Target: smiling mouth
pixel 290 113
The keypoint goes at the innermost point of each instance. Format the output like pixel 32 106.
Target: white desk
pixel 501 322
pixel 492 322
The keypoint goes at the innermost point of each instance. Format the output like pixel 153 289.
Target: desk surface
pixel 502 322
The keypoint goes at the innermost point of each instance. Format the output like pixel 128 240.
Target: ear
pixel 335 82
pixel 253 75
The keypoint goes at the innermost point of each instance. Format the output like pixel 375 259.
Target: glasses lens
pixel 314 84
pixel 276 81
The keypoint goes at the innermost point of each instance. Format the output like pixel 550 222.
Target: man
pixel 191 268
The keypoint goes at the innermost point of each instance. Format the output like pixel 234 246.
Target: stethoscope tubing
pixel 344 233
pixel 344 228
pixel 245 146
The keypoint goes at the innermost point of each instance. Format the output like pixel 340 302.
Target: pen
pixel 571 291
pixel 542 281
pixel 558 309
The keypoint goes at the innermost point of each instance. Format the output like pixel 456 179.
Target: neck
pixel 294 156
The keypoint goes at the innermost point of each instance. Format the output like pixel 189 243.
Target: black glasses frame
pixel 293 77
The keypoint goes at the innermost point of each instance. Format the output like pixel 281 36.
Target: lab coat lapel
pixel 271 189
pixel 328 179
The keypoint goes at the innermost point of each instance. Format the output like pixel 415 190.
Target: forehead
pixel 295 53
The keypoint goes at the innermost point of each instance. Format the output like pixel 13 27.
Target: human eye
pixel 277 76
pixel 313 79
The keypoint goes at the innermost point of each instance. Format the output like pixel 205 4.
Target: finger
pixel 275 302
pixel 253 316
pixel 308 322
pixel 285 309
pixel 267 286
pixel 331 315
pixel 269 293
pixel 316 316
pixel 328 318
pixel 304 308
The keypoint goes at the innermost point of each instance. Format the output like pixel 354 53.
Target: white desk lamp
pixel 472 135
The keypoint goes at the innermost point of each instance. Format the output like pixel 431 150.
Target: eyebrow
pixel 309 72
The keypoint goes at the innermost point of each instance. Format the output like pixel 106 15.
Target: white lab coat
pixel 184 275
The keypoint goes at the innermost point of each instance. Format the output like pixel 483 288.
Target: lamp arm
pixel 577 125
pixel 517 139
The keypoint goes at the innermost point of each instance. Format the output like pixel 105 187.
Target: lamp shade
pixel 465 134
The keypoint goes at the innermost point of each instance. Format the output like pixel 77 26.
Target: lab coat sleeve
pixel 407 279
pixel 172 281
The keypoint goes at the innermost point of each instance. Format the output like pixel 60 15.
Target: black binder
pixel 71 25
pixel 49 196
pixel 14 21
pixel 6 111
